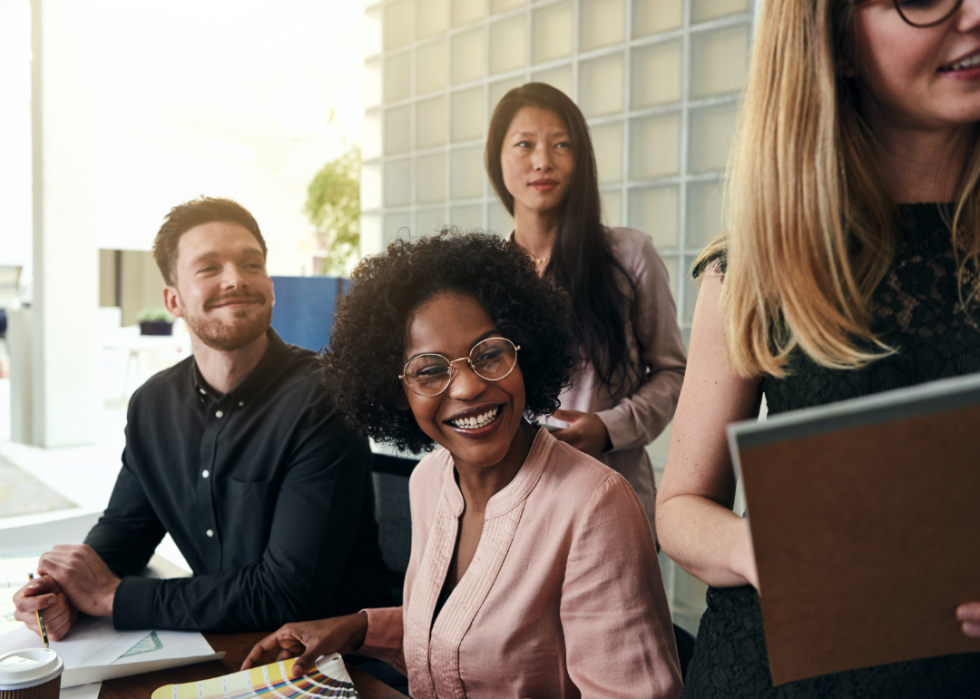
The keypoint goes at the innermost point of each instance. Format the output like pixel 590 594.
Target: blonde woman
pixel 850 267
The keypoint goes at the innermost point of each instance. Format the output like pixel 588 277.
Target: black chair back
pixel 394 515
pixel 685 648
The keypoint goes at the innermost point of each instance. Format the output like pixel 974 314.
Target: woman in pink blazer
pixel 533 570
pixel 630 357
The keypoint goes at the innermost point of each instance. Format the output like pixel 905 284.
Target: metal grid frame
pixel 411 213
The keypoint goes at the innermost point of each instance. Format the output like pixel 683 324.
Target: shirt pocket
pixel 249 490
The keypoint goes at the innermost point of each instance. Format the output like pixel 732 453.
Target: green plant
pixel 333 206
pixel 154 314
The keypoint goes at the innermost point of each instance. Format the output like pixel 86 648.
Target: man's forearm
pixel 125 551
pixel 247 599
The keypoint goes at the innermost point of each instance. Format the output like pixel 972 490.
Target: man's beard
pixel 228 336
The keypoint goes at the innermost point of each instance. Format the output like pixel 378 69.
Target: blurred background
pixel 340 124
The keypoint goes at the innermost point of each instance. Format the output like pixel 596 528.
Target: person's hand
pixel 84 578
pixel 585 431
pixel 43 595
pixel 968 615
pixel 310 639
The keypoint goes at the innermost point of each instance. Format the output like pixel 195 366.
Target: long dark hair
pixel 581 262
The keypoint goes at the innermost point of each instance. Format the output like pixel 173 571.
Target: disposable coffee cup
pixel 32 673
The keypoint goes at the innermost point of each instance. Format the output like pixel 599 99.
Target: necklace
pixel 543 260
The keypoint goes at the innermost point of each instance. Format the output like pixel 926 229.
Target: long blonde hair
pixel 812 229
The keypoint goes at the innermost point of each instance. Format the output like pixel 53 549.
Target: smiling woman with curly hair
pixel 364 361
pixel 533 570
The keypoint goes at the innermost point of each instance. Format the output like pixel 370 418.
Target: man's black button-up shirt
pixel 264 490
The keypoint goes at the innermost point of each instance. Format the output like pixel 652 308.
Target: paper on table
pixel 330 679
pixel 85 691
pixel 84 675
pixel 91 641
pixel 861 513
pixel 14 572
pixel 20 549
pixel 95 651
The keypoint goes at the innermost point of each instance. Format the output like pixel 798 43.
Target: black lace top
pixel 919 313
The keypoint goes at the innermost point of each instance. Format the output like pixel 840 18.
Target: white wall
pixel 63 398
pixel 161 102
pixel 15 134
pixel 245 100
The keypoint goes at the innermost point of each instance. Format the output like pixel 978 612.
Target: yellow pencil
pixel 40 620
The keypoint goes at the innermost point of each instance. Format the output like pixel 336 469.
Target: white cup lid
pixel 29 668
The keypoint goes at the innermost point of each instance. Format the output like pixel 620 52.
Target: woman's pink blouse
pixel 634 420
pixel 563 597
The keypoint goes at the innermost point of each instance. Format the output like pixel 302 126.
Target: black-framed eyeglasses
pixel 429 374
pixel 926 13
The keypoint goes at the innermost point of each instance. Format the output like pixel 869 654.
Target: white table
pixel 150 353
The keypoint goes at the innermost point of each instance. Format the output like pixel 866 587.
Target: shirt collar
pixel 515 492
pixel 270 364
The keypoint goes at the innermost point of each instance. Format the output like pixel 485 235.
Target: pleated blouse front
pixel 563 597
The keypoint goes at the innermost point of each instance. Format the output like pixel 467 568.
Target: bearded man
pixel 235 452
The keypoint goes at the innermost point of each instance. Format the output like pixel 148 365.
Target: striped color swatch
pixel 273 681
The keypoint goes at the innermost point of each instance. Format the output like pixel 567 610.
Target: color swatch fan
pixel 329 680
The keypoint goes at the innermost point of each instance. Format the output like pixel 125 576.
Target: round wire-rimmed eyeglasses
pixel 926 13
pixel 429 375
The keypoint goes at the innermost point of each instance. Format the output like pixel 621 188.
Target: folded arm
pixel 129 531
pixel 78 578
pixel 639 418
pixel 314 524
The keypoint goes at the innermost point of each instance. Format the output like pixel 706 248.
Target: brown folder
pixel 865 518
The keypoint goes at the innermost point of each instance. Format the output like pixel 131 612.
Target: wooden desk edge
pixel 236 647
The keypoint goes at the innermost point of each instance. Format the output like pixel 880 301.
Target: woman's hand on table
pixel 968 614
pixel 585 431
pixel 308 640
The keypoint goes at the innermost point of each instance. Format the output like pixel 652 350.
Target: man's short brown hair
pixel 197 212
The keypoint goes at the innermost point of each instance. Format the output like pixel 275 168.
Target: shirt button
pixel 219 413
pixel 241 403
pixel 203 392
pixel 210 533
pixel 205 473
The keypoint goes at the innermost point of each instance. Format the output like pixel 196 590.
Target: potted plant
pixel 333 206
pixel 155 321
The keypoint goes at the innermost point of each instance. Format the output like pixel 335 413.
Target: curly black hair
pixel 365 356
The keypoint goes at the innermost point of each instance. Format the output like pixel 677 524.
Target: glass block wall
pixel 658 81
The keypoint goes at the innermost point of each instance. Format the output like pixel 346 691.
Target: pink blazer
pixel 633 420
pixel 562 599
